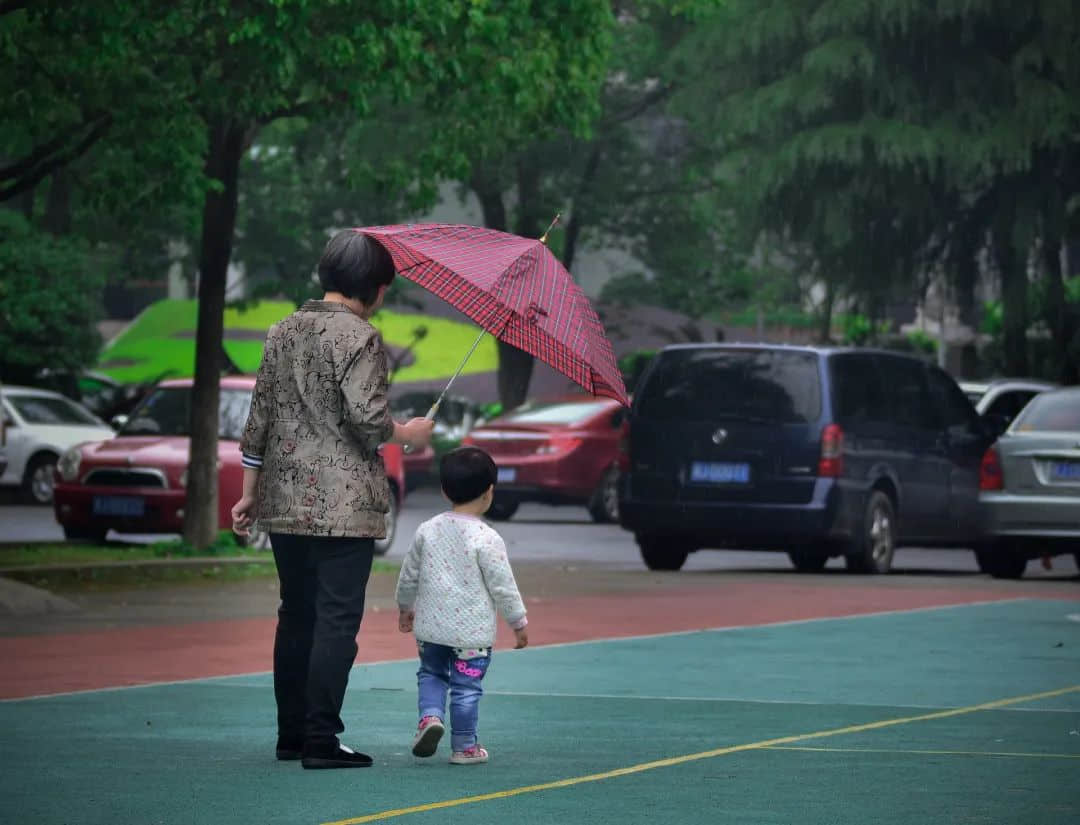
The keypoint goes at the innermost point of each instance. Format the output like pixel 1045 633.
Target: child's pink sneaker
pixel 475 755
pixel 428 734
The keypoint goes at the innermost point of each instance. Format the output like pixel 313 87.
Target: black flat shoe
pixel 289 750
pixel 334 756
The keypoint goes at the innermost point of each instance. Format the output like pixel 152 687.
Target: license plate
pixel 130 506
pixel 506 475
pixel 714 472
pixel 1066 471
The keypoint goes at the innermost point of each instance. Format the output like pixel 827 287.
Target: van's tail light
pixel 558 444
pixel 991 476
pixel 831 464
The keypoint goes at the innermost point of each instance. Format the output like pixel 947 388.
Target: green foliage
pixel 858 330
pixel 632 365
pixel 922 342
pixel 50 295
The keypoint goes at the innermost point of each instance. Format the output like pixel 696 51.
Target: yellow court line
pixel 694 757
pixel 929 753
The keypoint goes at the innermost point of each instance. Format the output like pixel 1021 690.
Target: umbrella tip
pixel 544 237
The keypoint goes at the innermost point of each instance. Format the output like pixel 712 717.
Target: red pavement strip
pixel 47 664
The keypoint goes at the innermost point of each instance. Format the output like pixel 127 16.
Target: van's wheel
pixel 660 553
pixel 808 561
pixel 38 480
pixel 382 546
pixel 998 562
pixel 604 505
pixel 502 509
pixel 872 550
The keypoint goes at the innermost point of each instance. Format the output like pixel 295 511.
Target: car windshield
pixel 46 409
pixel 565 413
pixel 167 411
pixel 1051 412
pixel 716 384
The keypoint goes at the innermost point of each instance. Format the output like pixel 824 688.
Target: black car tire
pixel 662 553
pixel 872 550
pixel 95 535
pixel 502 509
pixel 37 484
pixel 1000 563
pixel 808 560
pixel 604 505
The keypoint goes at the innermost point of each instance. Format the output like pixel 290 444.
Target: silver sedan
pixel 1030 487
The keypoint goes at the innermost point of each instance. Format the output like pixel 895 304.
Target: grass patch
pixel 87 566
pixel 150 347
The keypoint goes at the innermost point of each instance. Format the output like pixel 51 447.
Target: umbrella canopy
pixel 514 288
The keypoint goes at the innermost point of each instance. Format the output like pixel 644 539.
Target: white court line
pixel 727 629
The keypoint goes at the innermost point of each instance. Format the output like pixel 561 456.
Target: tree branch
pixel 43 161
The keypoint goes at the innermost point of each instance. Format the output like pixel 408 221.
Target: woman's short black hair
pixel 466 473
pixel 356 266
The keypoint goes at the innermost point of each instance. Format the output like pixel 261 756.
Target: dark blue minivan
pixel 819 452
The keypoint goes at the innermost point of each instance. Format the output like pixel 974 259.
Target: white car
pixel 1003 398
pixel 38 426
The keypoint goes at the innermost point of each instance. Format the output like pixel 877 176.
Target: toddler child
pixel 453 580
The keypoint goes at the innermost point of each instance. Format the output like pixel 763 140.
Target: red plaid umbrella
pixel 514 288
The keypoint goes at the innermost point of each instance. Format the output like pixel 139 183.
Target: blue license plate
pixel 128 506
pixel 506 475
pixel 1066 471
pixel 716 472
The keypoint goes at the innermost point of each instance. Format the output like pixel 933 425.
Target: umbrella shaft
pixel 438 401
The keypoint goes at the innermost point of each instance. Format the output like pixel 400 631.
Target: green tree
pixel 46 293
pixel 891 137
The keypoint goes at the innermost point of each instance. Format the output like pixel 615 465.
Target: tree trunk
pixel 1012 270
pixel 577 208
pixel 226 147
pixel 825 330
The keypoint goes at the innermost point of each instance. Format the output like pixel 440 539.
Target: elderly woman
pixel 313 477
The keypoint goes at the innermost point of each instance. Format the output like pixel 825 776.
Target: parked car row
pixel 825 452
pixel 819 452
pixel 135 481
pixel 36 427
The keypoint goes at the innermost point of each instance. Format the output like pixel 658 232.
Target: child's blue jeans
pixel 458 671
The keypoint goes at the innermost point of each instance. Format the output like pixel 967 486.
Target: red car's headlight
pixel 69 463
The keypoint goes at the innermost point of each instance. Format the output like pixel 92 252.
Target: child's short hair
pixel 466 473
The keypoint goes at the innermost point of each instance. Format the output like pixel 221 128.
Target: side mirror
pixel 119 421
pixel 995 424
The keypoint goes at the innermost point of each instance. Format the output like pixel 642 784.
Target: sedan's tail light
pixel 991 476
pixel 558 444
pixel 831 463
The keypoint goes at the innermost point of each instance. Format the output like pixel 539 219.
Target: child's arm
pixel 408 582
pixel 499 579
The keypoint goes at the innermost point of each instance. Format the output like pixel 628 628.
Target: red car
pixel 134 483
pixel 562 452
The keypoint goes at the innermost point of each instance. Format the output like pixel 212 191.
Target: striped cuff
pixel 520 624
pixel 251 462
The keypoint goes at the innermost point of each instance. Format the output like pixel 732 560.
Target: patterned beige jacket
pixel 318 415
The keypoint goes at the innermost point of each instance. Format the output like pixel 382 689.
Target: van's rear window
pixel 711 383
